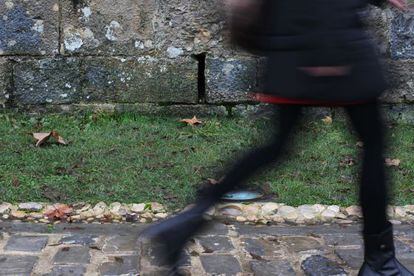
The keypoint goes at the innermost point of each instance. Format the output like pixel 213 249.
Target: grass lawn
pixel 132 158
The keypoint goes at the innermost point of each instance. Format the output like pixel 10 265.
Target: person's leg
pixel 379 257
pixel 373 192
pixel 174 232
pixel 284 121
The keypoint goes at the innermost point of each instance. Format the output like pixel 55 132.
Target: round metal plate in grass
pixel 242 196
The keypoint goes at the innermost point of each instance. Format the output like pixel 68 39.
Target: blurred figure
pixel 317 55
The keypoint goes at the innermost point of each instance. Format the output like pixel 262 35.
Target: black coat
pixel 317 33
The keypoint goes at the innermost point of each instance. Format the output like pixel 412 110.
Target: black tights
pixel 366 120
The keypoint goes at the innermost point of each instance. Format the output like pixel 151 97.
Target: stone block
pixel 190 27
pixel 100 27
pixel 230 80
pixel 153 253
pixel 47 81
pixel 342 239
pixel 253 111
pixel 378 21
pixel 149 109
pixel 72 255
pixel 214 228
pixel 391 112
pixel 401 81
pixel 299 230
pixel 408 263
pixel 216 244
pixel 29 27
pixel 17 265
pixel 79 239
pixel 220 264
pixel 120 265
pixel 352 257
pixel 404 250
pixel 117 243
pixel 5 81
pixel 140 80
pixel 254 247
pixel 67 270
pixel 26 243
pixel 299 244
pixel 320 265
pixel 402 36
pixel 274 268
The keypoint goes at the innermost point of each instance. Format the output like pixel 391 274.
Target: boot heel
pixel 380 256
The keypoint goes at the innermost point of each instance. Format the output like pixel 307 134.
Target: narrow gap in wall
pixel 229 109
pixel 201 59
pixel 11 86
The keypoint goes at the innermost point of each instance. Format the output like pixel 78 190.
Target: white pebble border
pixel 249 213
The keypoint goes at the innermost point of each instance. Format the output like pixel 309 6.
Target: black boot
pixel 380 256
pixel 172 235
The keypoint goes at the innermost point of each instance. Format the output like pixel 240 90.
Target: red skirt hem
pixel 265 98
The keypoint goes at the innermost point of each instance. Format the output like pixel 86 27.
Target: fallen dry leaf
pixel 58 211
pixel 392 162
pixel 327 120
pixel 347 161
pixel 15 182
pixel 360 144
pixel 212 181
pixel 58 138
pixel 192 122
pixel 42 137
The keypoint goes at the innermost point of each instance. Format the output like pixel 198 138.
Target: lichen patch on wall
pixel 73 40
pixel 112 31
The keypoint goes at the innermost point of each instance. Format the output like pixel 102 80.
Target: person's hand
pixel 399 4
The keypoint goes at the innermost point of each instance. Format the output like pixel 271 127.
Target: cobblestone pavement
pixel 222 249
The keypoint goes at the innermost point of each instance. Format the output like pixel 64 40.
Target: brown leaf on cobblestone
pixel 106 218
pixel 58 211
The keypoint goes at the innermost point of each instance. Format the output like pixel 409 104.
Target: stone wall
pixel 152 56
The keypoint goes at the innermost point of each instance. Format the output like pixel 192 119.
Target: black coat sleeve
pixel 377 2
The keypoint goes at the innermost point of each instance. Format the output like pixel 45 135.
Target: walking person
pixel 317 55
